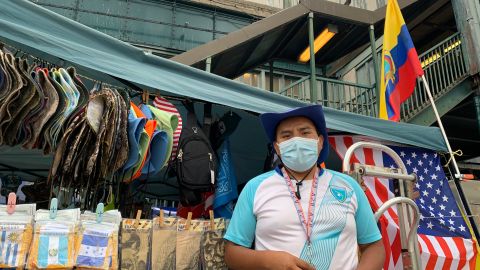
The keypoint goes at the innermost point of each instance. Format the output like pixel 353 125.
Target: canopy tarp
pixel 40 30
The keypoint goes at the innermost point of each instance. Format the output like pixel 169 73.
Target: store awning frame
pixel 37 29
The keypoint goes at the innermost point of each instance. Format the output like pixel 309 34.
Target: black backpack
pixel 196 162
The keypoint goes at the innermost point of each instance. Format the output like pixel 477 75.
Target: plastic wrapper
pixel 213 245
pixel 16 232
pixel 54 241
pixel 97 247
pixel 135 243
pixel 188 244
pixel 164 242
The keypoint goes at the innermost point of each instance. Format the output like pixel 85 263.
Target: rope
pixel 458 153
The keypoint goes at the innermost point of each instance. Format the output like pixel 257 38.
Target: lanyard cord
pixel 299 183
pixel 305 220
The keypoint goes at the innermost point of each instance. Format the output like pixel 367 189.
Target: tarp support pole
pixel 457 176
pixel 476 102
pixel 313 77
pixel 208 64
pixel 375 67
pixel 271 75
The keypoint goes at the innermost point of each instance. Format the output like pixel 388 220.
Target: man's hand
pixel 284 261
pixel 239 258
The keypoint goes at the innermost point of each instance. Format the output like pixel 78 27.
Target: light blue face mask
pixel 299 154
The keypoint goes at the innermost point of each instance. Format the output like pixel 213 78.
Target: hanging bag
pixel 196 162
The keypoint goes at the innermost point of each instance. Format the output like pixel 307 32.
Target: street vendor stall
pixel 94 148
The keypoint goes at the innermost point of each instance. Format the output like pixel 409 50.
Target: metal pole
pixel 208 64
pixel 476 101
pixel 271 76
pixel 454 161
pixel 313 77
pixel 440 125
pixel 325 86
pixel 412 235
pixel 375 66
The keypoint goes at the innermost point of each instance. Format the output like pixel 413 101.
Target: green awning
pixel 40 31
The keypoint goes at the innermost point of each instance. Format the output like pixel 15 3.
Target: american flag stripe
pixel 433 256
pixel 437 252
pixel 462 250
pixel 447 253
pixel 164 105
pixel 455 253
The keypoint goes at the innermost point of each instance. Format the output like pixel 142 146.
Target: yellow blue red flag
pixel 400 64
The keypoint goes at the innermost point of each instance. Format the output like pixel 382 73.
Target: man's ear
pixel 320 143
pixel 277 149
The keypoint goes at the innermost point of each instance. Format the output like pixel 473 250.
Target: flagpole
pixel 440 125
pixel 466 206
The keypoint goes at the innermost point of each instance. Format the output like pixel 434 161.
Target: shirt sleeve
pixel 367 229
pixel 241 229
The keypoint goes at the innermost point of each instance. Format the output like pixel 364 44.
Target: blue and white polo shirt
pixel 265 213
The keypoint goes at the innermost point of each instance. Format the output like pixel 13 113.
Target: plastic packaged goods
pixel 135 243
pixel 164 235
pixel 55 238
pixel 16 230
pixel 97 247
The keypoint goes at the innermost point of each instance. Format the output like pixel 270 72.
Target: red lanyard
pixel 307 224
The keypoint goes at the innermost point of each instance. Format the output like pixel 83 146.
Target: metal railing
pixel 444 67
pixel 340 95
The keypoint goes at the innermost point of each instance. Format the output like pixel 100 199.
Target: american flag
pixel 444 238
pixel 165 105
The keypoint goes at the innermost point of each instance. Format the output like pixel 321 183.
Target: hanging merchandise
pixel 223 128
pixel 37 103
pixel 164 237
pixel 97 245
pixel 162 140
pixel 213 245
pixel 150 139
pixel 189 235
pixel 223 197
pixel 94 145
pixel 135 242
pixel 16 231
pixel 165 105
pixel 17 97
pixel 144 145
pixel 136 134
pixel 196 162
pixel 226 188
pixel 54 238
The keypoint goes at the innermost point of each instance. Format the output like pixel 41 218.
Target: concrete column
pixel 467 17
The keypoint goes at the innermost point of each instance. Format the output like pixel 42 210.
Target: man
pixel 301 216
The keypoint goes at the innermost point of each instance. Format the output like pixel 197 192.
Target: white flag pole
pixel 440 125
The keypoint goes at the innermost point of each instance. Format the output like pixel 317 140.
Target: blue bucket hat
pixel 270 123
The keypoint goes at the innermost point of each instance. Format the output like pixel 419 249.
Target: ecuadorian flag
pixel 400 64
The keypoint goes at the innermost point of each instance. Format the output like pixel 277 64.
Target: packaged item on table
pixel 135 244
pixel 54 240
pixel 188 244
pixel 98 241
pixel 213 245
pixel 164 242
pixel 16 231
